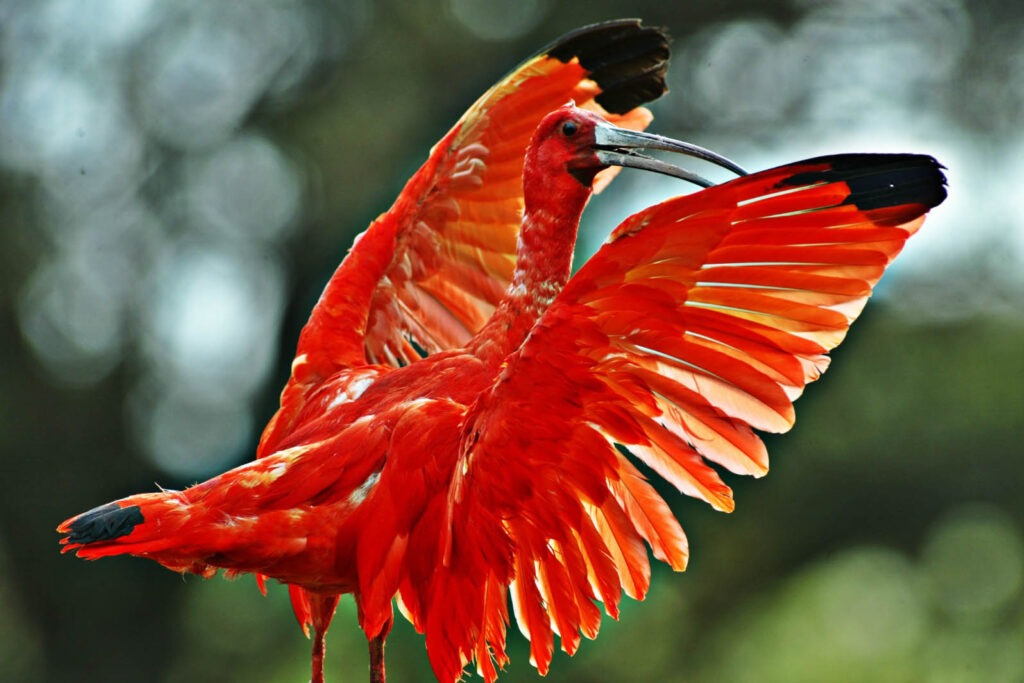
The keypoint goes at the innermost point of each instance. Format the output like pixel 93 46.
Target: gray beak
pixel 617 147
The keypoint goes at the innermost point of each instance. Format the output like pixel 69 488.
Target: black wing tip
pixel 878 181
pixel 104 523
pixel 625 58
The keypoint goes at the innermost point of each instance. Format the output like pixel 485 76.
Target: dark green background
pixel 886 545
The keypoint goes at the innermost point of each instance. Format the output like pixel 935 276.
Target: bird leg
pixel 321 611
pixel 318 657
pixel 377 674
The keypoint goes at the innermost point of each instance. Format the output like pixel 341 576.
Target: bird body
pixel 359 482
pixel 463 420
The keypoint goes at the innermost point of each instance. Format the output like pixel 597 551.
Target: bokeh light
pixel 71 322
pixel 183 176
pixel 503 21
pixel 974 560
pixel 854 617
pixel 245 189
pixel 159 209
pixel 871 613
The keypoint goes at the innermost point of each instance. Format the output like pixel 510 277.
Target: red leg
pixel 377 674
pixel 318 657
pixel 322 611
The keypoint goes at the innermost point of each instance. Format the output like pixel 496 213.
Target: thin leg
pixel 377 652
pixel 322 611
pixel 377 658
pixel 318 656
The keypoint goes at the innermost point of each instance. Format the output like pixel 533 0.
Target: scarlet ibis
pixel 462 419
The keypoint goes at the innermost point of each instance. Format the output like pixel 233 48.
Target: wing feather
pixel 699 321
pixel 429 272
pixel 464 205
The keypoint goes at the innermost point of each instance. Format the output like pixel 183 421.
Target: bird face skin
pixel 586 144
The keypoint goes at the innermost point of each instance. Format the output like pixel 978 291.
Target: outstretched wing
pixel 700 320
pixel 428 273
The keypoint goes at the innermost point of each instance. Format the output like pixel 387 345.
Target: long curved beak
pixel 618 147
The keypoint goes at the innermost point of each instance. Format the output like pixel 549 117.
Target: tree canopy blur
pixel 180 178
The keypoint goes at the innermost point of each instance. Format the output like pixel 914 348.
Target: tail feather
pixel 146 525
pixel 104 523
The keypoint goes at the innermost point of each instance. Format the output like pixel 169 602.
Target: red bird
pixel 462 417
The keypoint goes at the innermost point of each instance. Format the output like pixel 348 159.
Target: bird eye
pixel 569 128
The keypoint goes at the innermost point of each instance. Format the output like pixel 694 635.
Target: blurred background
pixel 179 178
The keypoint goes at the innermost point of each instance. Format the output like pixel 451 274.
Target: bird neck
pixel 543 262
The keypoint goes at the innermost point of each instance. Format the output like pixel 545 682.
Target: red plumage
pixel 498 467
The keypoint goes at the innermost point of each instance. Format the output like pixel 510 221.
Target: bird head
pixel 583 144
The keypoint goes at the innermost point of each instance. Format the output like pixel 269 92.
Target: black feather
pixel 105 523
pixel 878 181
pixel 628 61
